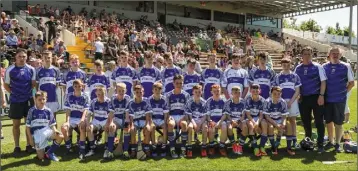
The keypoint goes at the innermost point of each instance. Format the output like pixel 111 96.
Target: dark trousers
pixel 98 55
pixel 307 105
pixel 51 35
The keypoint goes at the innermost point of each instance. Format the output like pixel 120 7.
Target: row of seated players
pixel 253 117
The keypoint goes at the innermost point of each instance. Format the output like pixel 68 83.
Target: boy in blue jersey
pixel 290 84
pixel 235 76
pixel 47 79
pixel 262 75
pixel 169 72
pixel 176 101
pixel 214 108
pixel 275 111
pixel 210 76
pixel 149 74
pixel 140 112
pixel 124 73
pixel 119 103
pixel 191 78
pixel 99 109
pixel 233 117
pixel 74 73
pixel 254 105
pixel 97 79
pixel 340 80
pixel 76 106
pixel 41 126
pixel 159 116
pixel 195 109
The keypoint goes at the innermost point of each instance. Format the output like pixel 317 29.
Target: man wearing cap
pixel 20 79
pixel 99 46
pixel 313 79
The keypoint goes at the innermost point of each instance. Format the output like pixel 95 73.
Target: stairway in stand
pixel 81 49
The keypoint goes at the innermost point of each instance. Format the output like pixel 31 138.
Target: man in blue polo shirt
pixel 313 79
pixel 20 79
pixel 340 80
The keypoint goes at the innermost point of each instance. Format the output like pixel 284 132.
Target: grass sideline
pixel 301 161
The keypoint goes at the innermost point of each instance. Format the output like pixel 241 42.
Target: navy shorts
pixel 20 110
pixel 334 112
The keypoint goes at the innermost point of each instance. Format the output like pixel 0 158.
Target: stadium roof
pixel 291 8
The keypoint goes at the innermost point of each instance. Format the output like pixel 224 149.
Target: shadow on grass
pixel 25 162
pixel 314 156
pixel 16 156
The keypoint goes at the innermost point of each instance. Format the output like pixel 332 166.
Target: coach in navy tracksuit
pixel 313 88
pixel 340 80
pixel 20 79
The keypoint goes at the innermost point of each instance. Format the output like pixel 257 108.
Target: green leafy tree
pixel 346 32
pixel 310 25
pixel 331 30
pixel 291 25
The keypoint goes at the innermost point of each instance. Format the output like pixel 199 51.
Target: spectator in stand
pixel 44 10
pixel 37 9
pixel 229 49
pixel 3 47
pixel 162 46
pixel 248 42
pixel 57 13
pixel 52 25
pixel 5 24
pixel 58 46
pixel 12 40
pixel 40 43
pixel 99 48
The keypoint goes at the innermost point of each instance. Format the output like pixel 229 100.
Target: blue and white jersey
pixel 76 104
pixel 338 76
pixel 176 102
pixel 275 111
pixel 190 80
pixel 20 82
pixel 100 111
pixel 210 77
pixel 126 75
pixel 196 109
pixel 159 107
pixel 97 80
pixel 264 78
pixel 47 79
pixel 147 77
pixel 254 107
pixel 288 83
pixel 71 76
pixel 234 110
pixel 311 76
pixel 215 108
pixel 139 110
pixel 118 107
pixel 39 118
pixel 167 76
pixel 233 77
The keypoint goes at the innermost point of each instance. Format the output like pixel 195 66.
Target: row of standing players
pixel 232 78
